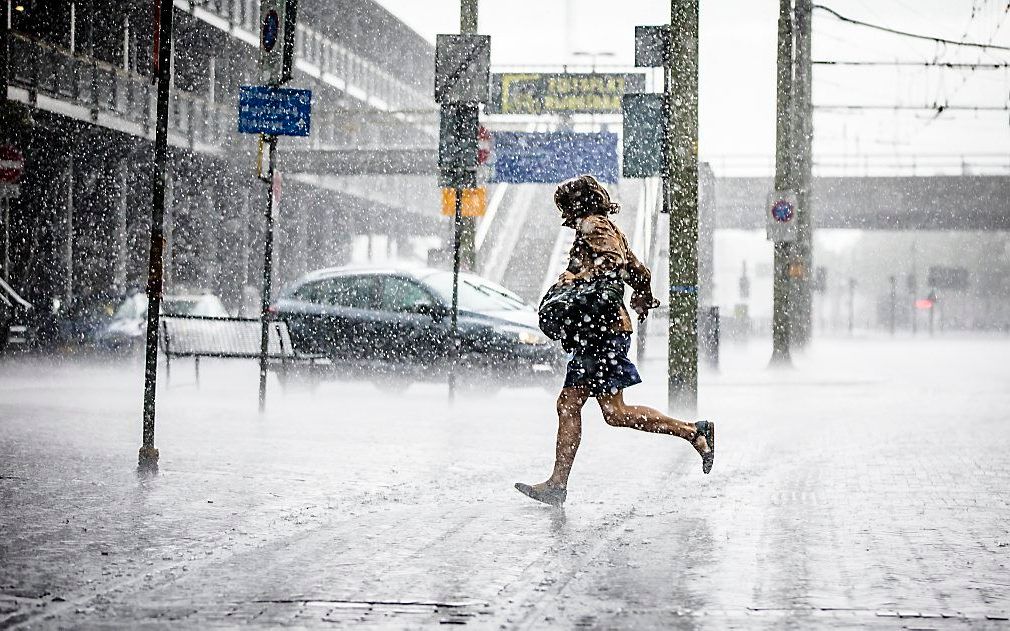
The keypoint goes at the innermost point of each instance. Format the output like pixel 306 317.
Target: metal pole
pixel 457 235
pixel 932 310
pixel 913 288
pixel 894 298
pixel 148 458
pixel 780 310
pixel 6 203
pixel 4 49
pixel 268 266
pixel 682 156
pixel 468 16
pixel 468 11
pixel 68 245
pixel 641 333
pixel 852 304
pixel 801 303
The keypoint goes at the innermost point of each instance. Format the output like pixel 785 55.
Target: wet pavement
pixel 870 488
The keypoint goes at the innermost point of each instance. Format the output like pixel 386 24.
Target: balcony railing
pixel 114 97
pixel 109 95
pixel 316 55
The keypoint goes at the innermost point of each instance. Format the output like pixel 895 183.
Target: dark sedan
pixel 394 326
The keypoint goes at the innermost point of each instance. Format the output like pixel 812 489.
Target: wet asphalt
pixel 867 488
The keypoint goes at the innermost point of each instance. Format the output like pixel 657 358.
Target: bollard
pixel 709 335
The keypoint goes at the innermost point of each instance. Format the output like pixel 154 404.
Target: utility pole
pixel 781 325
pixel 278 19
pixel 801 299
pixel 462 69
pixel 682 162
pixel 467 226
pixel 148 459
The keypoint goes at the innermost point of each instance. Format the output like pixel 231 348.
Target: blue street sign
pixel 552 157
pixel 274 111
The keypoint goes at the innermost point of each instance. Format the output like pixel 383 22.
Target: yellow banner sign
pixel 573 93
pixel 474 202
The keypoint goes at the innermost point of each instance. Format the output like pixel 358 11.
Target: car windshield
pixel 135 307
pixel 131 308
pixel 475 293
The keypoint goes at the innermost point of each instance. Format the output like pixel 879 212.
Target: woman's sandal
pixel 706 429
pixel 549 495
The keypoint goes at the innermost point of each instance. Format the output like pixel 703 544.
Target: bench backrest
pixel 222 337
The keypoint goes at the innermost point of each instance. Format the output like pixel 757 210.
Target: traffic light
pixel 277 40
pixel 457 146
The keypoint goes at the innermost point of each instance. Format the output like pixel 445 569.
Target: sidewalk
pixel 869 488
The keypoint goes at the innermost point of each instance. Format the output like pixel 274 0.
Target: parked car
pixel 128 326
pixel 78 322
pixel 394 326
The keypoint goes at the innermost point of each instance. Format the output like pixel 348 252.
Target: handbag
pixel 581 309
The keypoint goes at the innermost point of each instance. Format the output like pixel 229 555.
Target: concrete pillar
pixel 210 214
pixel 120 253
pixel 170 218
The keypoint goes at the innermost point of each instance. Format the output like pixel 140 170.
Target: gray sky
pixel 737 66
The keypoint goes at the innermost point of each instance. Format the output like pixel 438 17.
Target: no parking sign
pixel 780 216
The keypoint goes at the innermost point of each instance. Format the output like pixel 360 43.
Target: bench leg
pixel 196 369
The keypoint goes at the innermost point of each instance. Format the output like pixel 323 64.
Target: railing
pixel 125 100
pixel 101 89
pixel 330 61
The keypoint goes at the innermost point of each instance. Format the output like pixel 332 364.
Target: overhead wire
pixel 893 31
pixel 986 47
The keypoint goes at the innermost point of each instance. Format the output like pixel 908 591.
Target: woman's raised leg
pixel 619 414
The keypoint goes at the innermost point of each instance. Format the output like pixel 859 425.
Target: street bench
pixel 233 338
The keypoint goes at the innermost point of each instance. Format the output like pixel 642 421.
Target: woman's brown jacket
pixel 601 247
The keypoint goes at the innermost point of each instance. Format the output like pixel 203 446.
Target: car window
pixel 400 294
pixel 475 293
pixel 309 292
pixel 358 292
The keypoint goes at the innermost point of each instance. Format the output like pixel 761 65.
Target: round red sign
pixel 12 164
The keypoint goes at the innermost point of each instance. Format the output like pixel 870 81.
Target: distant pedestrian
pixel 599 366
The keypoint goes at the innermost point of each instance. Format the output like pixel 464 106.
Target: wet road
pixel 869 488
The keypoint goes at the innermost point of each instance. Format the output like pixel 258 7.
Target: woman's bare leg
pixel 619 414
pixel 570 403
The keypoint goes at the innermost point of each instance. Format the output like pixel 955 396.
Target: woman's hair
pixel 584 195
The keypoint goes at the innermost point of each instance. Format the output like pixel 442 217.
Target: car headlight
pixel 529 336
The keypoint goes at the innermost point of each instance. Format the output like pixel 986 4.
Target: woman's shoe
pixel 706 429
pixel 552 495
